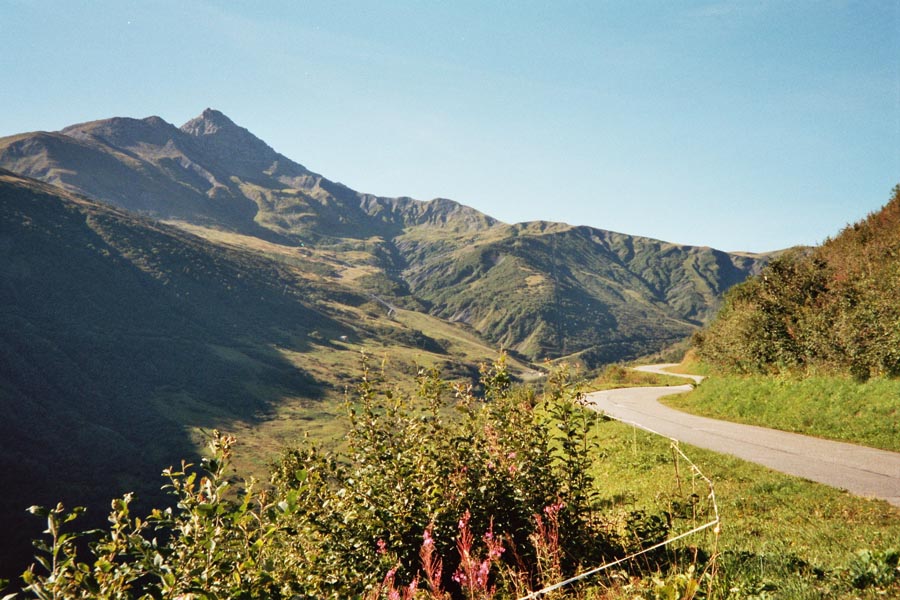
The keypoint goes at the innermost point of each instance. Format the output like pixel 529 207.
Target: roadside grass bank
pixel 837 408
pixel 781 536
pixel 618 376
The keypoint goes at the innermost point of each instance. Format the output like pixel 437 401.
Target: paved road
pixel 857 469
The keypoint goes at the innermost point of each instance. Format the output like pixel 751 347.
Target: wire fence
pixel 712 524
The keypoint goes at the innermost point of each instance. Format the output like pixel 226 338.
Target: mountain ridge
pixel 231 140
pixel 525 286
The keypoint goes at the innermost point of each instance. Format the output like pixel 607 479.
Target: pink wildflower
pixel 431 564
pixel 553 509
pixel 473 575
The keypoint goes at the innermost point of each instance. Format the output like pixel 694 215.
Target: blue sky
pixel 749 125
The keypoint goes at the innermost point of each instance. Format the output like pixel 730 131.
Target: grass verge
pixel 617 376
pixel 781 536
pixel 829 407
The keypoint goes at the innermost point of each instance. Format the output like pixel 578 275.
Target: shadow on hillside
pixel 119 339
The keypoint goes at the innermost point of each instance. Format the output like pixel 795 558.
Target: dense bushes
pixel 834 308
pixel 441 491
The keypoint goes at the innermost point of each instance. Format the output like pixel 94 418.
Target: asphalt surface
pixel 859 470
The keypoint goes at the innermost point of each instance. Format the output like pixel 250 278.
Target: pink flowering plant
pixel 413 466
pixel 474 572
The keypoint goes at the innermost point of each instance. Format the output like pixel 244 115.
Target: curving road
pixel 859 470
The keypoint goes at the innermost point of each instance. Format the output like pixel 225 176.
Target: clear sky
pixel 742 125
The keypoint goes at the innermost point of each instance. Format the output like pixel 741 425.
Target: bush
pixel 418 475
pixel 834 308
pixel 409 465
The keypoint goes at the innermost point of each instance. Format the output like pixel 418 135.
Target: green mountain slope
pixel 542 290
pixel 122 338
pixel 547 290
pixel 835 308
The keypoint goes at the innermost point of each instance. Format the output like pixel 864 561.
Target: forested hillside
pixel 834 309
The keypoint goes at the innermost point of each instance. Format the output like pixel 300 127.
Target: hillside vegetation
pixel 812 345
pixel 833 309
pixel 497 496
pixel 123 339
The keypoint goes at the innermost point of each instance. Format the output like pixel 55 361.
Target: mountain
pixel 149 166
pixel 834 308
pixel 547 290
pixel 157 281
pixel 541 290
pixel 122 339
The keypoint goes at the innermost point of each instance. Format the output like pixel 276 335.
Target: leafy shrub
pixel 209 547
pixel 833 308
pixel 409 465
pixel 418 475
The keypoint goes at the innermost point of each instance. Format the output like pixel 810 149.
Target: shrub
pixel 501 460
pixel 418 475
pixel 834 308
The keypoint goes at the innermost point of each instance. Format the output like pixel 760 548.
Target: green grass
pixel 780 535
pixel 690 365
pixel 616 376
pixel 829 407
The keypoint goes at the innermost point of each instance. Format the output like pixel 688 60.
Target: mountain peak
pixel 210 121
pixel 221 138
pixel 211 113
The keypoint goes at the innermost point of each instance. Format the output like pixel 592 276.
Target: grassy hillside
pixel 123 339
pixel 834 309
